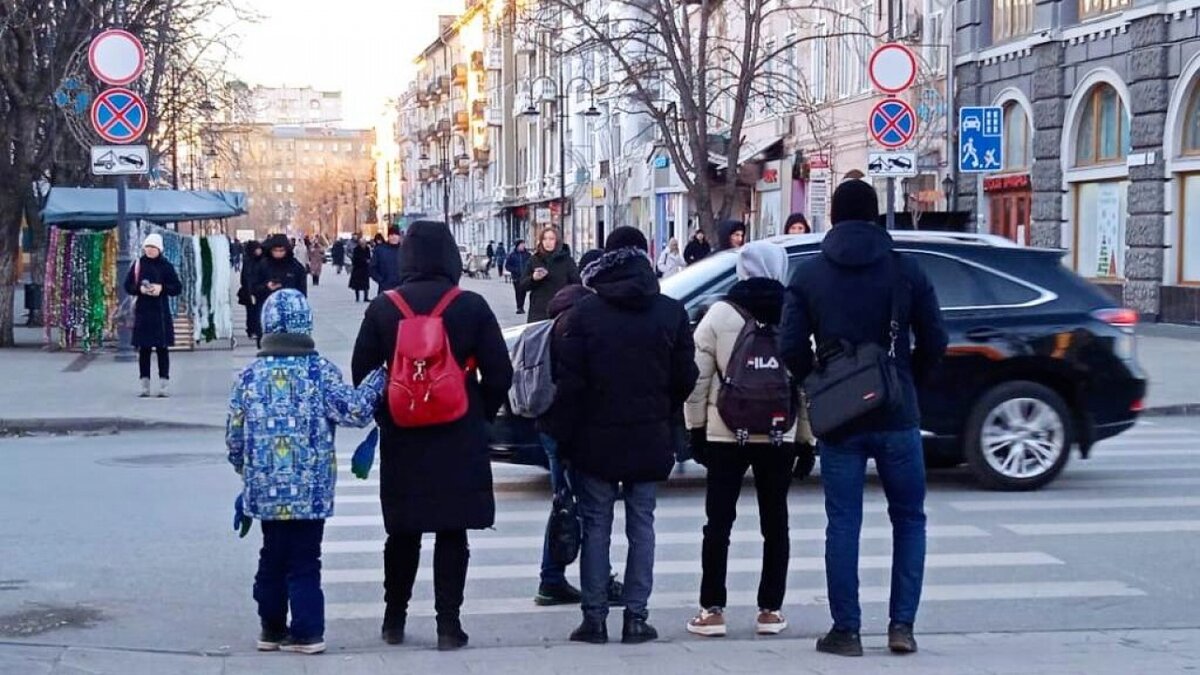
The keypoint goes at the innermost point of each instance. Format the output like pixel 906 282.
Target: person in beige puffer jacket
pixel 761 270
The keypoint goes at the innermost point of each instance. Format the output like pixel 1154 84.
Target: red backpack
pixel 426 386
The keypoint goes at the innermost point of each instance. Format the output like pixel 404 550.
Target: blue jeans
pixel 596 498
pixel 552 574
pixel 901 465
pixel 289 571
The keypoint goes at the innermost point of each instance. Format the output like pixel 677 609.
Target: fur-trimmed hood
pixel 624 277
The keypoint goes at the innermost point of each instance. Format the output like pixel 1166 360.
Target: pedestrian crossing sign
pixel 980 139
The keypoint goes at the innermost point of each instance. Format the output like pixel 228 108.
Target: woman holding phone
pixel 550 270
pixel 152 281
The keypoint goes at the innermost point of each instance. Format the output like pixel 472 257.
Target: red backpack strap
pixel 450 296
pixel 400 303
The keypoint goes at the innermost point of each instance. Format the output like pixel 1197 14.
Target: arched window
pixel 1191 125
pixel 1103 133
pixel 1018 138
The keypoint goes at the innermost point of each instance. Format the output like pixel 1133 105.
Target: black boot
pixel 591 631
pixel 900 638
pixel 450 634
pixel 636 630
pixel 840 643
pixel 393 627
pixel 557 594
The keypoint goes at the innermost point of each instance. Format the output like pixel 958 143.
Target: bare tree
pixel 697 70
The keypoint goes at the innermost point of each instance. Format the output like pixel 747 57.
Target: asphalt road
pixel 125 542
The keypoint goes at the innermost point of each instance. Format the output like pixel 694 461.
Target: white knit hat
pixel 153 239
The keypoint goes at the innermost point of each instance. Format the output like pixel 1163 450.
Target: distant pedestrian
pixel 253 258
pixel 435 478
pixel 235 255
pixel 670 261
pixel 385 262
pixel 316 260
pixel 283 412
pixel 731 235
pixel 612 418
pixel 300 250
pixel 797 224
pixel 279 269
pixel 754 304
pixel 489 257
pixel 152 281
pixel 515 264
pixel 859 294
pixel 499 258
pixel 697 249
pixel 360 270
pixel 338 254
pixel 549 271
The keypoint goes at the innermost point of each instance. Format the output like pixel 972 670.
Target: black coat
pixel 696 251
pixel 360 268
pixel 286 271
pixel 437 478
pixel 856 262
pixel 153 324
pixel 337 254
pixel 385 266
pixel 563 273
pixel 624 363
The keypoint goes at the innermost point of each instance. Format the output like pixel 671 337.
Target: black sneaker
pixel 557 594
pixel 616 592
pixel 840 643
pixel 270 639
pixel 637 631
pixel 900 638
pixel 393 631
pixel 591 631
pixel 313 645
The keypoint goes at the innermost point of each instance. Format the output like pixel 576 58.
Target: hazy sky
pixel 364 48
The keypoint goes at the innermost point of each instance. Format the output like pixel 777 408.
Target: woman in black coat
pixel 550 270
pixel 152 280
pixel 252 257
pixel 360 270
pixel 437 478
pixel 279 269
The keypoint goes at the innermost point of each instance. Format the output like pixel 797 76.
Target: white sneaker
pixel 770 622
pixel 708 623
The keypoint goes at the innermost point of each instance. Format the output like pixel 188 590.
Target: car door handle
pixel 983 334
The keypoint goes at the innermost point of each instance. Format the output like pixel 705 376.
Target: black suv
pixel 1040 360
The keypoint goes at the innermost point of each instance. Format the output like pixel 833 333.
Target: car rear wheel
pixel 1019 437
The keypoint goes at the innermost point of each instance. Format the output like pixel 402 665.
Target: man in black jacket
pixel 857 261
pixel 278 269
pixel 624 363
pixel 697 249
pixel 385 262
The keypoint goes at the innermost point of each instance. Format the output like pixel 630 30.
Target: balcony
pixel 478 110
pixel 444 127
pixel 493 59
pixel 477 61
pixel 494 117
pixel 483 157
pixel 458 74
pixel 462 121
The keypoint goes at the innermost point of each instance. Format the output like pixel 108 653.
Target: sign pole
pixel 125 352
pixel 891 182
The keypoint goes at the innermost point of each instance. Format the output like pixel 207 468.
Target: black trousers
pixel 402 556
pixel 727 465
pixel 253 321
pixel 520 293
pixel 164 362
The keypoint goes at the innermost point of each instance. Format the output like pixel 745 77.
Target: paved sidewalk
pixel 1118 652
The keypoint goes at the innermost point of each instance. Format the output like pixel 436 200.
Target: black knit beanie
pixel 626 237
pixel 854 200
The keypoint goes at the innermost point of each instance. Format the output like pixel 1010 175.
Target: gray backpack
pixel 533 385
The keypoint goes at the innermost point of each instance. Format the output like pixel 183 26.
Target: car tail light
pixel 1137 406
pixel 1120 317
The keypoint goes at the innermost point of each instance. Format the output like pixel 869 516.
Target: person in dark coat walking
pixel 385 262
pixel 623 363
pixel 438 478
pixel 152 280
pixel 858 261
pixel 252 259
pixel 337 254
pixel 550 270
pixel 360 269
pixel 515 264
pixel 279 269
pixel 697 249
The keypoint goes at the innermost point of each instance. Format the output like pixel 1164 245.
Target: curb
pixel 92 425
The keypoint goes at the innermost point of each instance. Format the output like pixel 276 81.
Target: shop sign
pixel 1018 181
pixel 598 192
pixel 818 162
pixel 768 181
pixel 662 162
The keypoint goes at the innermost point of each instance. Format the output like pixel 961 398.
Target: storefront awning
pixel 749 152
pixel 91 207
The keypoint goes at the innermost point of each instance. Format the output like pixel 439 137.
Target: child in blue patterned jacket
pixel 282 416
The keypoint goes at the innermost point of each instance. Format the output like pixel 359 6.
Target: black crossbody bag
pixel 853 381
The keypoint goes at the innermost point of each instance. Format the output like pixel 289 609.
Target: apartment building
pixel 1102 123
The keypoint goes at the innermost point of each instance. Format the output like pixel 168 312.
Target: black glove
pixel 698 440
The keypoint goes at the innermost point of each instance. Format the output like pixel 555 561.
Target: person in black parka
pixel 279 269
pixel 360 269
pixel 252 258
pixel 385 261
pixel 438 478
pixel 152 280
pixel 338 254
pixel 550 270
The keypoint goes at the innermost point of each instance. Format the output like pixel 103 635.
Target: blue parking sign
pixel 980 139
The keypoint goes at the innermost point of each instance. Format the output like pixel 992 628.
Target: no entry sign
pixel 892 68
pixel 892 123
pixel 116 57
pixel 119 115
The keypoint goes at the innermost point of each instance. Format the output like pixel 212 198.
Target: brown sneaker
pixel 708 623
pixel 770 622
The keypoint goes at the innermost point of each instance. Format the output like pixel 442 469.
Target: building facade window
pixel 1189 183
pixel 1191 125
pixel 1018 138
pixel 1091 8
pixel 819 65
pixel 1103 133
pixel 866 44
pixel 1012 19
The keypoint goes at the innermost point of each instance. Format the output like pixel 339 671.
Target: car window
pixel 960 285
pixel 700 278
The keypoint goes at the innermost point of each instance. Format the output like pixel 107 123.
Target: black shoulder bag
pixel 852 381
